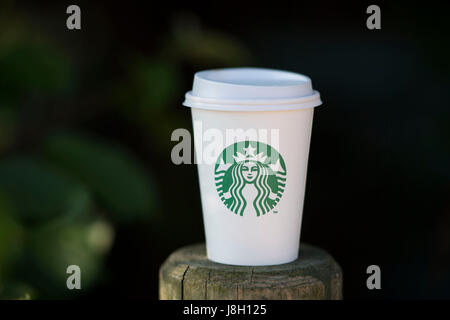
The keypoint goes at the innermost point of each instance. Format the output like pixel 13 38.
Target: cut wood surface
pixel 187 274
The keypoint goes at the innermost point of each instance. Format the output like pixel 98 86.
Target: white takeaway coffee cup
pixel 252 130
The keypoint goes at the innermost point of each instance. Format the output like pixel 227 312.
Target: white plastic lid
pixel 251 89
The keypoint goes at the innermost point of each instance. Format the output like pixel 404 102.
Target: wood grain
pixel 187 274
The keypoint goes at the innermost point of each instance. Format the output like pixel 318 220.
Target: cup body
pixel 250 239
pixel 252 130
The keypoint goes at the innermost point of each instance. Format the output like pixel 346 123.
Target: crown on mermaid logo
pixel 250 155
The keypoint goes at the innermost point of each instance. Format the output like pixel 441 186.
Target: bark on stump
pixel 188 275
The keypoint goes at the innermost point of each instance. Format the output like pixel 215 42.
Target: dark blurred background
pixel 86 118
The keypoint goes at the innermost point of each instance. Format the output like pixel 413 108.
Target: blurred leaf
pixel 26 296
pixel 155 82
pixel 56 246
pixel 8 124
pixel 11 236
pixel 214 48
pixel 147 99
pixel 100 236
pixel 40 192
pixel 120 183
pixel 13 290
pixel 33 68
pixel 202 47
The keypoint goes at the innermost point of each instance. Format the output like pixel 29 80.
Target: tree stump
pixel 187 274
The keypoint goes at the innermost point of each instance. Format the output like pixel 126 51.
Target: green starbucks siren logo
pixel 250 177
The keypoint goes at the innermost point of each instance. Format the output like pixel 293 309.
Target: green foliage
pixel 119 182
pixel 155 81
pixel 11 236
pixel 201 47
pixel 147 99
pixel 211 48
pixel 55 246
pixel 61 205
pixel 33 68
pixel 39 192
pixel 15 290
pixel 8 127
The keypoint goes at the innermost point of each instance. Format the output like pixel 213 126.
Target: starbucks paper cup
pixel 252 131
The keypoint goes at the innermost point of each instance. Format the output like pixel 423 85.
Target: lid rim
pixel 314 96
pixel 304 102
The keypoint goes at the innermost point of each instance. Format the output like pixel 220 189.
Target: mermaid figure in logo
pixel 243 174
